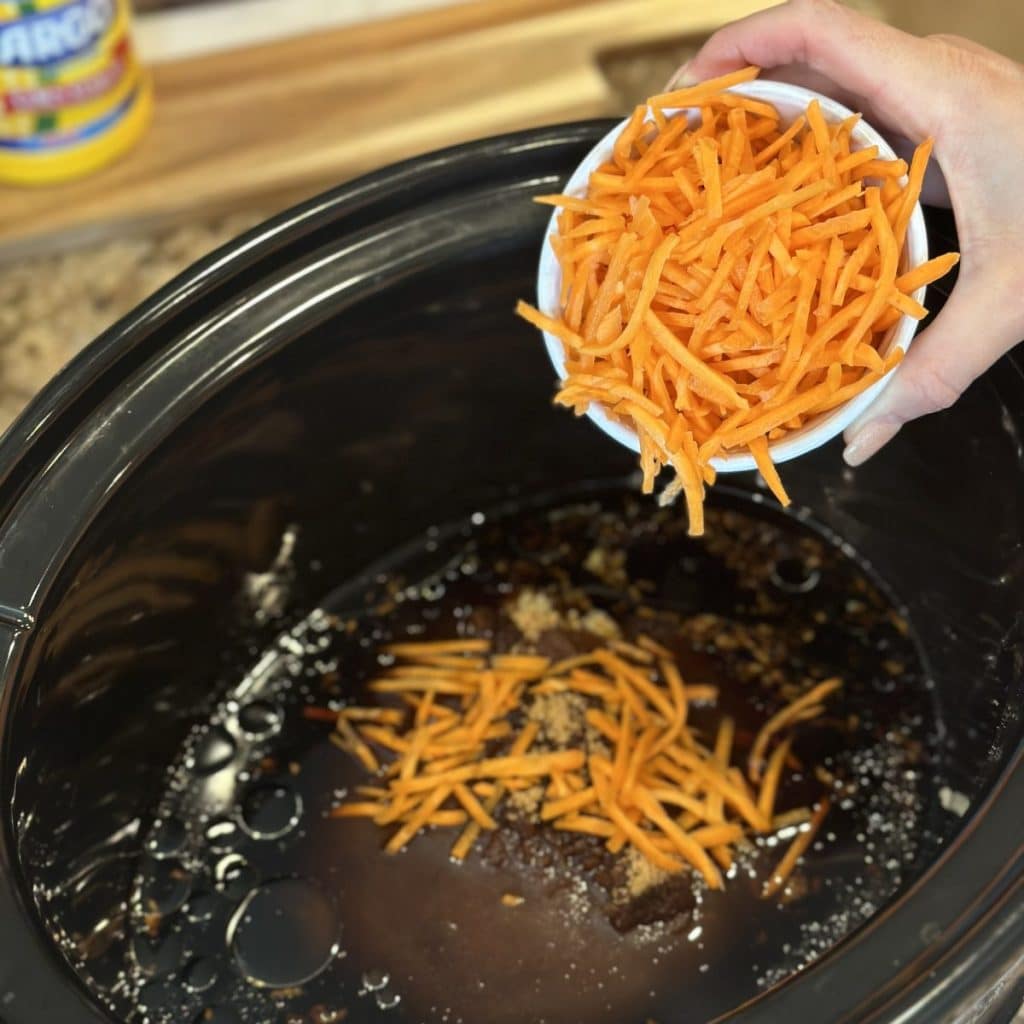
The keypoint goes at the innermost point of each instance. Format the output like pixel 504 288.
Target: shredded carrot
pixel 692 96
pixel 635 651
pixel 716 835
pixel 315 714
pixel 474 808
pixel 642 840
pixel 438 647
pixel 521 745
pixel 455 755
pixel 348 739
pixel 447 819
pixel 928 272
pixel 785 717
pixel 708 269
pixel 388 716
pixel 418 819
pixel 765 466
pixel 691 850
pixel 796 850
pixel 647 644
pixel 568 804
pixel 770 783
pixel 586 823
pixel 357 810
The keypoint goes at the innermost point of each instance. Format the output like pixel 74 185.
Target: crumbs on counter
pixel 52 306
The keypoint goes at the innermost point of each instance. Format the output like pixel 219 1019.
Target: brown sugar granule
pixel 533 612
pixel 641 874
pixel 601 624
pixel 525 803
pixel 561 717
pixel 659 903
pixel 608 565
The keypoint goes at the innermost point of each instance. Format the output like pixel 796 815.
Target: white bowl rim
pixel 819 431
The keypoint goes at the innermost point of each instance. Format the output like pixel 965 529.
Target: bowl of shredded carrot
pixel 730 276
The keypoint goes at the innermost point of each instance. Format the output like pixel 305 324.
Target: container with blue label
pixel 73 95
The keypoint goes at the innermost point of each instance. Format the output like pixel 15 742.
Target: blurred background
pixel 259 103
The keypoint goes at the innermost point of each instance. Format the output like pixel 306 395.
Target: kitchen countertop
pixel 52 306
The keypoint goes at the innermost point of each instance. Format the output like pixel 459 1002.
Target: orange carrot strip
pixel 770 151
pixel 759 449
pixel 473 807
pixel 852 267
pixel 841 225
pixel 775 417
pixel 693 95
pixel 707 161
pixel 809 276
pixel 928 272
pixel 652 276
pixel 624 143
pixel 772 775
pixel 882 169
pixel 715 382
pixel 691 850
pixel 796 850
pixel 822 139
pixel 782 718
pixel 912 192
pixel 889 250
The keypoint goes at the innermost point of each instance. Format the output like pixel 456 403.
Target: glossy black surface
pixel 353 368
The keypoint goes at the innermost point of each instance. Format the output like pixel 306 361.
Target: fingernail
pixel 869 439
pixel 682 79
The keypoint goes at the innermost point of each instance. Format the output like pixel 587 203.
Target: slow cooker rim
pixel 35 434
pixel 787 998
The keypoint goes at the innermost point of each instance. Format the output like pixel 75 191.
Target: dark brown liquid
pixel 415 937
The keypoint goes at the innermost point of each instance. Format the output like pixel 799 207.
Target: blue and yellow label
pixel 72 93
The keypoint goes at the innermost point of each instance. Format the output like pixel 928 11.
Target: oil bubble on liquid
pixel 284 933
pixel 200 975
pixel 375 980
pixel 234 875
pixel 202 906
pixel 158 956
pixel 271 811
pixel 251 905
pixel 214 752
pixel 259 719
pixel 165 886
pixel 166 839
pixel 221 835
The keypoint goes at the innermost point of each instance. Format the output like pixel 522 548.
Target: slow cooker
pixel 341 382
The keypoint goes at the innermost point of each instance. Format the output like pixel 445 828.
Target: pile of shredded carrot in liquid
pixel 725 283
pixel 460 743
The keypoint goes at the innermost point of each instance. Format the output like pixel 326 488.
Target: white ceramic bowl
pixel 790 101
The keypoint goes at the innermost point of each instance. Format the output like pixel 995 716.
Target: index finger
pixel 892 70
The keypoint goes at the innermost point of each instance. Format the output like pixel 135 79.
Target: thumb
pixel 941 364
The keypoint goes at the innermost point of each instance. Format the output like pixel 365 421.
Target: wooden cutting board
pixel 302 114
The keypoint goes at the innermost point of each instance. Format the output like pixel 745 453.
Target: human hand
pixel 968 99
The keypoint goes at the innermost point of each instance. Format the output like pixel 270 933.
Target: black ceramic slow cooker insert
pixel 342 390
